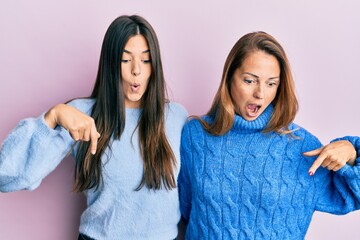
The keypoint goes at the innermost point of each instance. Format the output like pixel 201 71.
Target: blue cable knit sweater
pixel 116 211
pixel 250 185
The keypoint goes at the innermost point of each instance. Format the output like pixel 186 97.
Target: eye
pixel 249 81
pixel 125 60
pixel 146 61
pixel 271 84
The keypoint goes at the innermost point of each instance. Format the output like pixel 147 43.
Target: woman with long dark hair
pixel 125 139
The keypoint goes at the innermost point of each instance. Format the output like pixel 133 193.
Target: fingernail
pixel 311 173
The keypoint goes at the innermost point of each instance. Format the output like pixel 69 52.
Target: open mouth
pixel 253 109
pixel 135 87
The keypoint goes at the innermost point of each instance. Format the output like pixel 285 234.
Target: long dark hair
pixel 109 111
pixel 285 102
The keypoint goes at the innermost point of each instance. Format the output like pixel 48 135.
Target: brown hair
pixel 285 102
pixel 109 111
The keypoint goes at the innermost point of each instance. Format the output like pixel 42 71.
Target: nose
pixel 259 91
pixel 136 69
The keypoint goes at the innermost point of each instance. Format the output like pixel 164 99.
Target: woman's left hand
pixel 333 156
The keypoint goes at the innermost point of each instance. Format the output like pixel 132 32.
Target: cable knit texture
pixel 116 211
pixel 250 185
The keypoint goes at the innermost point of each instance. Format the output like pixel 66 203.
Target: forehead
pixel 136 44
pixel 262 62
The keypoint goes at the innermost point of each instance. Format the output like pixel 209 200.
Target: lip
pixel 252 109
pixel 135 87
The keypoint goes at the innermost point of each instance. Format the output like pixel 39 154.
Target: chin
pixel 248 118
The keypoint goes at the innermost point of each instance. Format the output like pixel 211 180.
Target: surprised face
pixel 254 84
pixel 135 70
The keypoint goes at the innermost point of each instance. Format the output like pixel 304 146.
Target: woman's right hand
pixel 333 156
pixel 79 125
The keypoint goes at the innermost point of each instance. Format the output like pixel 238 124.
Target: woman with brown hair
pixel 244 174
pixel 128 153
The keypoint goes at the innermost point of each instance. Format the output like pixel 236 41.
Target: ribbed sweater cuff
pixel 43 129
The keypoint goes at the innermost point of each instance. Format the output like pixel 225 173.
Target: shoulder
pixel 193 128
pixel 175 118
pixel 308 140
pixel 176 111
pixel 300 132
pixel 84 105
pixel 194 122
pixel 176 108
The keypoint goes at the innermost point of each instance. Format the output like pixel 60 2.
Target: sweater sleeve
pixel 341 189
pixel 30 152
pixel 184 182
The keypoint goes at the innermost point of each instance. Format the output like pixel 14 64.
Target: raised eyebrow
pixel 275 78
pixel 251 74
pixel 272 78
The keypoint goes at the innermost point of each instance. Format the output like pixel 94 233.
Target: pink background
pixel 49 53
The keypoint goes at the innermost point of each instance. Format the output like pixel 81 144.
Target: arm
pixel 30 152
pixel 34 148
pixel 338 193
pixel 339 189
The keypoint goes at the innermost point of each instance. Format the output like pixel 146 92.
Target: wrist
pixel 50 117
pixel 351 162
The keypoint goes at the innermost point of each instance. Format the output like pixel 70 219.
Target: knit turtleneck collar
pixel 259 124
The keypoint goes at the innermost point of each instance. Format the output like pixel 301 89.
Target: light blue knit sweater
pixel 250 185
pixel 117 211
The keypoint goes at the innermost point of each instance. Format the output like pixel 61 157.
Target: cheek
pixel 238 97
pixel 148 71
pixel 271 96
pixel 124 72
pixel 237 93
pixel 146 85
pixel 147 76
pixel 275 92
pixel 125 87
